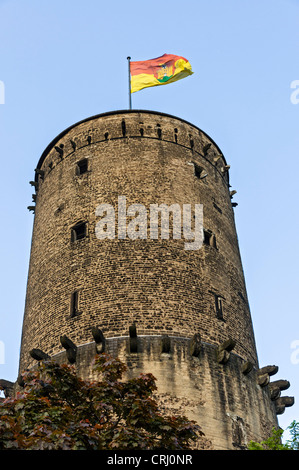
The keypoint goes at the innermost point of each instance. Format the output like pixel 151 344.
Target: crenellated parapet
pixel 132 125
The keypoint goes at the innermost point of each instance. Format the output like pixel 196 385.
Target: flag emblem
pixel 160 71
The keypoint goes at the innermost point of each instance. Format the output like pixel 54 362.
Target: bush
pixel 59 411
pixel 274 442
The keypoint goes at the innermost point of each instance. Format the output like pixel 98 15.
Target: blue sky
pixel 61 62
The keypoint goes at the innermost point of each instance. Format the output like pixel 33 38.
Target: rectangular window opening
pixel 219 307
pixel 209 238
pixel 75 304
pixel 78 231
pixel 82 166
pixel 197 170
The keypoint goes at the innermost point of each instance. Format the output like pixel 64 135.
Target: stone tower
pixel 181 314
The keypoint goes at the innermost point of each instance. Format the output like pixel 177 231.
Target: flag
pixel 160 71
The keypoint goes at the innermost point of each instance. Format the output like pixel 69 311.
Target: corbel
pixel 99 339
pixel 70 347
pixel 224 349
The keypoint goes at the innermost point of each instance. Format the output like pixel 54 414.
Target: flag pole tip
pixel 128 57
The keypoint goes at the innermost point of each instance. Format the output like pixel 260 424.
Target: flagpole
pixel 129 73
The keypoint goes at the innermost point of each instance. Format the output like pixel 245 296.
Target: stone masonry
pixel 180 314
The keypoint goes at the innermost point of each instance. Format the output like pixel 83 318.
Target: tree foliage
pixel 57 410
pixel 274 442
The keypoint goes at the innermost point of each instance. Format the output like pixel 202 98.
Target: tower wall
pixel 231 407
pixel 157 285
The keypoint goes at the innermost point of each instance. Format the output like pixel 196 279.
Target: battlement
pixel 131 124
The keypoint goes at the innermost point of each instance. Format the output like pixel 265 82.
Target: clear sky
pixel 62 61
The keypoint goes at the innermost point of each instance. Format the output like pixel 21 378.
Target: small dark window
pixel 123 128
pixel 199 172
pixel 141 130
pixel 176 135
pixel 159 131
pixel 78 231
pixel 191 142
pixel 82 166
pixel 209 238
pixel 75 304
pixel 242 296
pixel 217 207
pixel 219 306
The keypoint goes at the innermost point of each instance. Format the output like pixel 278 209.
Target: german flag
pixel 160 71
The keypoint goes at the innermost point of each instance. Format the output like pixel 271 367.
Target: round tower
pixel 104 275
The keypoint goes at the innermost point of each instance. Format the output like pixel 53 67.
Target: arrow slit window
pixel 75 304
pixel 219 307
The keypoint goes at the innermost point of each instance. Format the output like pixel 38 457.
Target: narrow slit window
pixel 219 302
pixel 176 135
pixel 219 307
pixel 75 303
pixel 78 231
pixel 123 128
pixel 159 131
pixel 191 141
pixel 82 166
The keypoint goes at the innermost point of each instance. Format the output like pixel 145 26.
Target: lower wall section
pixel 214 389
